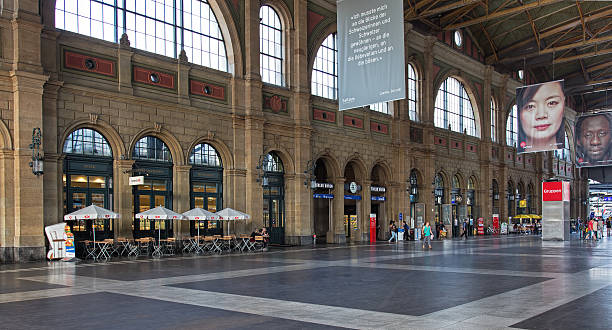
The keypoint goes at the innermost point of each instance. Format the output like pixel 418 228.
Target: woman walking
pixel 393 230
pixel 427 234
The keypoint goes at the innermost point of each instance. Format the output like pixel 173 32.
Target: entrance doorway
pixel 206 187
pixel 350 218
pixel 322 201
pixel 274 198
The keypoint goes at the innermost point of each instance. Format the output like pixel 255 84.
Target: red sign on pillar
pixel 552 191
pixel 373 228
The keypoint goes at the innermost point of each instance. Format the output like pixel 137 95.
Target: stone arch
pixel 178 157
pixel 6 142
pixel 419 175
pixel 445 178
pixel 461 179
pixel 109 133
pixel 223 150
pixel 475 181
pixel 312 54
pixel 332 165
pixel 385 168
pixel 288 164
pixel 360 167
pixel 283 12
pixel 470 90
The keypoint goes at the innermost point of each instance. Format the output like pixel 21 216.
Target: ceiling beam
pixel 442 9
pixel 581 20
pixel 457 14
pixel 592 41
pixel 493 48
pixel 533 29
pixel 571 24
pixel 502 13
pixel 585 55
pixel 603 65
pixel 598 82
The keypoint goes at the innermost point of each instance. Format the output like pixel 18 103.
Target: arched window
pixel 493 121
pixel 270 46
pixel 564 153
pixel 161 27
pixel 411 97
pixel 273 163
pixel 86 141
pixel 325 70
pixel 382 107
pixel 204 154
pixel 512 128
pixel 470 185
pixel 454 108
pixel 456 181
pixel 151 148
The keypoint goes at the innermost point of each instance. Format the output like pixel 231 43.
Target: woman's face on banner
pixel 542 115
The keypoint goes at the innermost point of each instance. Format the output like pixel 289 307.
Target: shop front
pixel 87 180
pixel 323 197
pixel 439 200
pixel 154 162
pixel 206 187
pixel 352 202
pixel 414 198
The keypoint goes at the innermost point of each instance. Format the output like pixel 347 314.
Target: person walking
pixel 392 229
pixel 465 230
pixel 609 226
pixel 406 231
pixel 595 230
pixel 427 234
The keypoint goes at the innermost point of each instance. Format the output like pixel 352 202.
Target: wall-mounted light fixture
pixel 37 159
pixel 262 167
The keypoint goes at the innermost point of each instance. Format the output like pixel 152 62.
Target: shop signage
pixel 379 198
pixel 353 187
pixel 555 191
pixel 327 196
pixel 353 197
pixel 378 189
pixel 523 203
pixel 136 180
pixel 315 184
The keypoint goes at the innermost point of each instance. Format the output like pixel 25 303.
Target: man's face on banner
pixel 595 138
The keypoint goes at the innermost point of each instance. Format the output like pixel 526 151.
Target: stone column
pixel 123 198
pixel 366 208
pixel 53 186
pixel 181 199
pixel 336 233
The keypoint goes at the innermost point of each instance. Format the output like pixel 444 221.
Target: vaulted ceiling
pixel 550 39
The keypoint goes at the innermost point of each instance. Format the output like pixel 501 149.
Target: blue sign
pixel 327 196
pixel 379 198
pixel 353 197
pixel 607 199
pixel 401 216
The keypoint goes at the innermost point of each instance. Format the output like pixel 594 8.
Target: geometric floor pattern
pixel 481 283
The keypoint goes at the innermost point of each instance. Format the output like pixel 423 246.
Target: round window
pixel 458 38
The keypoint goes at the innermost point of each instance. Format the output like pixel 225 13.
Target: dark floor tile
pixel 169 268
pixel 592 311
pixel 115 311
pixel 12 282
pixel 515 263
pixel 383 290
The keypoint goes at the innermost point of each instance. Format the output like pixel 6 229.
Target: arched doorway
pixel 322 200
pixel 495 197
pixel 352 203
pixel 521 199
pixel 510 199
pixel 470 203
pixel 87 180
pixel 154 161
pixel 458 208
pixel 274 197
pixel 206 187
pixel 378 197
pixel 415 218
pixel 439 200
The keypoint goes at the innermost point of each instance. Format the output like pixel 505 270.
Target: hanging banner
pixel 540 117
pixel 592 139
pixel 370 52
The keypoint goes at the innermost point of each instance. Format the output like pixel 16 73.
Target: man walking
pixel 465 229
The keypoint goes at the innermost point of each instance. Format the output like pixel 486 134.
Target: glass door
pixel 151 194
pixel 207 196
pixel 274 209
pixel 82 191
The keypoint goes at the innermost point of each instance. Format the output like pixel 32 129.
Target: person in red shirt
pixel 590 236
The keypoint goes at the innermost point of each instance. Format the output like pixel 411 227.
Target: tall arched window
pixel 270 46
pixel 411 97
pixel 512 128
pixel 454 108
pixel 88 142
pixel 273 163
pixel 204 154
pixel 161 27
pixel 151 148
pixel 382 107
pixel 325 70
pixel 564 153
pixel 493 121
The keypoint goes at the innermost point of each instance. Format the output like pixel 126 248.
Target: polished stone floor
pixel 482 283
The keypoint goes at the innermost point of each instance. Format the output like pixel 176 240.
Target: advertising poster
pixel 592 139
pixel 480 226
pixel 540 114
pixel 370 52
pixel 69 236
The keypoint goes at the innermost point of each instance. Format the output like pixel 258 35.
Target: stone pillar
pixel 123 198
pixel 336 233
pixel 181 199
pixel 53 186
pixel 124 63
pixel 364 217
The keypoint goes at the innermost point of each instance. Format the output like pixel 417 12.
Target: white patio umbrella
pixel 160 213
pixel 199 214
pixel 229 214
pixel 92 212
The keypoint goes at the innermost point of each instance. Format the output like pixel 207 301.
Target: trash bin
pixel 400 234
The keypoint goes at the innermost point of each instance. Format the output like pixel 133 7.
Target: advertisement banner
pixel 480 226
pixel 540 116
pixel 592 139
pixel 372 227
pixel 370 52
pixel 552 191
